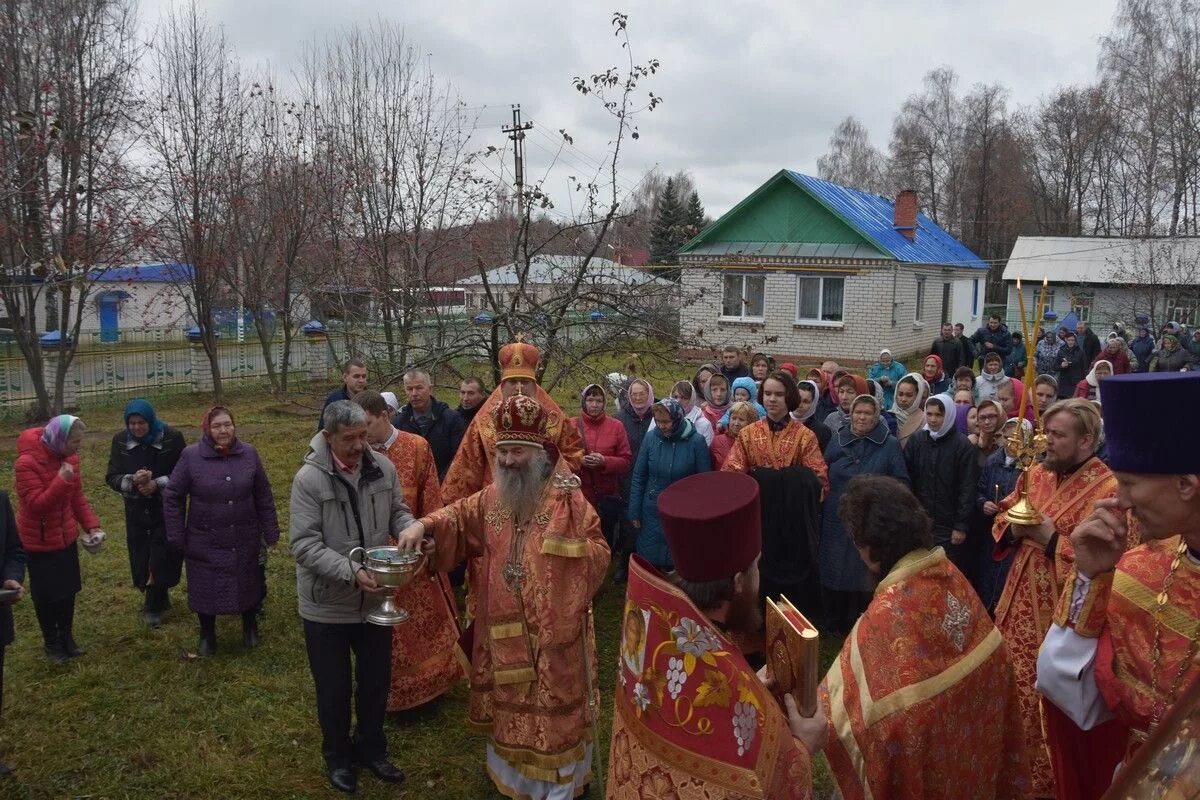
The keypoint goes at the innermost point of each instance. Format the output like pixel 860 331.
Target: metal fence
pixel 131 371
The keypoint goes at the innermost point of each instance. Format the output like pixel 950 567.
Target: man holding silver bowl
pixel 344 497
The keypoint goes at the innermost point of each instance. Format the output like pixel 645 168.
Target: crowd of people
pixel 876 504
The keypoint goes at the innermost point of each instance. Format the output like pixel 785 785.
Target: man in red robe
pixel 1123 645
pixel 1063 488
pixel 692 719
pixel 426 659
pixel 922 701
pixel 541 557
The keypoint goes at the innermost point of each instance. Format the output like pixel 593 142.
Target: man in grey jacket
pixel 346 496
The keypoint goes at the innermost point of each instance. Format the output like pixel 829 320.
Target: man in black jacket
pixel 732 366
pixel 471 394
pixel 965 343
pixel 354 380
pixel 949 350
pixel 1089 342
pixel 12 575
pixel 431 419
pixel 992 338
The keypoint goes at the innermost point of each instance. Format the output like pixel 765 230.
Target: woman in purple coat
pixel 229 508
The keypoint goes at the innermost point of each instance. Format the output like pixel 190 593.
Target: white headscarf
pixel 901 414
pixel 1093 379
pixel 812 407
pixel 949 412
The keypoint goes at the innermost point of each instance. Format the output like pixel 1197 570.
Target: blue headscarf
pixel 55 434
pixel 144 410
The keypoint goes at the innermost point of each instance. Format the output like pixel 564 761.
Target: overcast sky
pixel 749 87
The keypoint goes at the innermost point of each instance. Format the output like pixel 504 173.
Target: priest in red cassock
pixel 1126 631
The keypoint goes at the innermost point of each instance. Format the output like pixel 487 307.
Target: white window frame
pixel 819 321
pixel 919 305
pixel 743 317
pixel 1079 308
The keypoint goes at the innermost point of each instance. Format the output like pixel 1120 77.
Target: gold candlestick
pixel 1024 446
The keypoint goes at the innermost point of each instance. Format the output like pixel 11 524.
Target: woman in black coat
pixel 944 468
pixel 139 468
pixel 1072 367
pixel 12 576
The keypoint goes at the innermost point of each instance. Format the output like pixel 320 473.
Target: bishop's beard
pixel 520 488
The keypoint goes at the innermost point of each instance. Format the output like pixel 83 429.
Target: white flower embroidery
pixel 745 725
pixel 958 616
pixel 691 638
pixel 676 676
pixel 641 696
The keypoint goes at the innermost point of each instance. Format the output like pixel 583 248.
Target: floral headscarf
pixel 206 426
pixel 56 432
pixel 675 411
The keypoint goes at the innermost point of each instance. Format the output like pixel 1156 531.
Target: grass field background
pixel 140 717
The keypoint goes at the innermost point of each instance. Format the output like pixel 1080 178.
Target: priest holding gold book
pixel 922 700
pixel 692 720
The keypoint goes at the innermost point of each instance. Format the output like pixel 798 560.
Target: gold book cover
pixel 792 654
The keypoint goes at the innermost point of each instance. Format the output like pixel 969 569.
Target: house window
pixel 975 298
pixel 1184 308
pixel 742 297
pixel 1081 304
pixel 919 313
pixel 819 298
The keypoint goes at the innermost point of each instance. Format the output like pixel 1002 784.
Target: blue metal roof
pixel 143 273
pixel 872 216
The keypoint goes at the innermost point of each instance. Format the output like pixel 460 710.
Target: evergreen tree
pixel 695 216
pixel 665 233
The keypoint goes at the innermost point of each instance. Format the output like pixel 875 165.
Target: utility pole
pixel 517 133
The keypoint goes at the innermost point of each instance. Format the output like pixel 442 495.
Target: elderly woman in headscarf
pixel 862 447
pixel 992 374
pixel 887 372
pixel 935 374
pixel 53 510
pixel 908 407
pixel 806 412
pixel 945 472
pixel 1089 387
pixel 673 450
pixel 219 508
pixel 684 393
pixel 635 414
pixel 848 386
pixel 140 462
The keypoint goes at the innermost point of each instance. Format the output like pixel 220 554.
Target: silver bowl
pixel 392 567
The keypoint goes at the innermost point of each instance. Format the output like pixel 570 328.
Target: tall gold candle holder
pixel 1024 446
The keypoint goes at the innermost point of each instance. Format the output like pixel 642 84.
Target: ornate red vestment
pixel 794 446
pixel 692 721
pixel 1120 609
pixel 1034 584
pixel 529 677
pixel 922 701
pixel 426 658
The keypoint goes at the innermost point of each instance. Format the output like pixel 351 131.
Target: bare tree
pixel 927 150
pixel 68 193
pixel 197 107
pixel 852 160
pixel 1158 277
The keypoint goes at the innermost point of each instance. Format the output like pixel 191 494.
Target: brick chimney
pixel 904 215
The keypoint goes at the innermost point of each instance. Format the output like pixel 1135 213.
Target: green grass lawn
pixel 140 717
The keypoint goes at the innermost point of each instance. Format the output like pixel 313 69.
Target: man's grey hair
pixel 419 375
pixel 342 413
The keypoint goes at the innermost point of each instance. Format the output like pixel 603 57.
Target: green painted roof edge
pixel 783 174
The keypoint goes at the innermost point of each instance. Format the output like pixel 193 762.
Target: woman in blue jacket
pixel 672 450
pixel 887 372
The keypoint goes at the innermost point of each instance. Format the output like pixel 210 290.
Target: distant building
pixel 1103 280
pixel 604 281
pixel 807 270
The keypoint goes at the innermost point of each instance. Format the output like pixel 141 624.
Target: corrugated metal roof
pixel 143 273
pixel 1084 259
pixel 872 216
pixel 552 269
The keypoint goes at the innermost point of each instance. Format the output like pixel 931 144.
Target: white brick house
pixel 805 270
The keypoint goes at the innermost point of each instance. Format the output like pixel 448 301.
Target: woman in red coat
pixel 53 508
pixel 606 457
